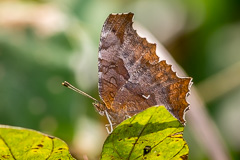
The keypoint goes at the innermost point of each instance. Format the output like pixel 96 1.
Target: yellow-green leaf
pixel 25 144
pixel 151 134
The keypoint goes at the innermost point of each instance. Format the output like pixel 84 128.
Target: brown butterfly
pixel 131 78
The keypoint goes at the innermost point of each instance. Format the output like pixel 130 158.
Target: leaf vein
pixel 8 147
pixel 139 135
pixel 51 150
pixel 115 148
pixel 179 151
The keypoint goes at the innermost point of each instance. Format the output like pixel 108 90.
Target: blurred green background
pixel 43 43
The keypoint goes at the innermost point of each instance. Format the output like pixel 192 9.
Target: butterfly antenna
pixel 68 85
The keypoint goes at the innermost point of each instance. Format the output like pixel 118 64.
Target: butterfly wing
pixel 131 78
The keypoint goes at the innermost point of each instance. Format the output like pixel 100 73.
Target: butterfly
pixel 131 77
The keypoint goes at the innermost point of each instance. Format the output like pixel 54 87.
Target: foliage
pixel 20 143
pixel 37 53
pixel 153 134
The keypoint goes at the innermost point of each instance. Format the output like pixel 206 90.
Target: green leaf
pixel 151 134
pixel 19 143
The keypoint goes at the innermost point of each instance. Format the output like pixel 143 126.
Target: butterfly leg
pixel 107 128
pixel 110 123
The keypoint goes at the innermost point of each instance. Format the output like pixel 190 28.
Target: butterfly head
pixel 100 107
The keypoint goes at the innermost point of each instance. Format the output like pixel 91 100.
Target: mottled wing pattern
pixel 112 72
pixel 131 78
